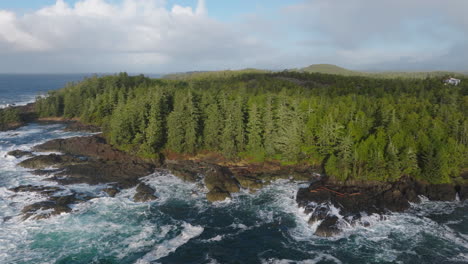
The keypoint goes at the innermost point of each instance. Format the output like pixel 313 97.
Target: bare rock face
pixel 221 178
pixel 19 153
pixel 47 209
pixel 112 192
pixel 144 193
pixel 185 170
pixel 44 161
pixel 328 228
pixel 217 194
pixel 45 190
pixel 93 146
pixel 249 182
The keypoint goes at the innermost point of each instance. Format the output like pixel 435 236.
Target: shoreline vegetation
pixel 352 128
pixel 379 142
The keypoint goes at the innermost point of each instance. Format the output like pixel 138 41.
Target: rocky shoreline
pixel 93 161
pixel 354 200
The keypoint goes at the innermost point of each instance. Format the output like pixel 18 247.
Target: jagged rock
pixel 44 161
pixel 249 182
pixel 46 190
pixel 354 197
pixel 19 153
pixel 93 146
pixel 144 193
pixel 319 214
pixel 123 175
pixel 51 208
pixel 185 170
pixel 328 228
pixel 217 194
pixel 46 172
pixel 222 178
pixel 112 192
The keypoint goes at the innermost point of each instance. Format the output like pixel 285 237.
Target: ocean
pixel 182 227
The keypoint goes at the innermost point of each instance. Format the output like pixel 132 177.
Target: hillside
pixel 333 69
pixel 330 69
pixel 210 74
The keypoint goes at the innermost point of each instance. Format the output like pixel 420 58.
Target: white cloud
pixel 366 33
pixel 141 35
pixel 147 36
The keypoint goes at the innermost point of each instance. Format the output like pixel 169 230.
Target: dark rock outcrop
pixel 144 193
pixel 54 206
pixel 80 127
pixel 328 228
pixel 219 180
pixel 112 192
pixel 45 190
pixel 122 175
pixel 185 170
pixel 90 160
pixel 44 161
pixel 19 153
pixel 352 198
pixel 47 209
pixel 92 146
pixel 222 178
pixel 217 194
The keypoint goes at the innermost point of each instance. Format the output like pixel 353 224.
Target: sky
pixel 163 36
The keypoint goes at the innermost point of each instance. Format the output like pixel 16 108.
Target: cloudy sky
pixel 161 36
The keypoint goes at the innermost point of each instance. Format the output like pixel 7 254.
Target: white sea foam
pixel 171 245
pixel 319 258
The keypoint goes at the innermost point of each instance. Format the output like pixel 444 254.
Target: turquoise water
pixel 181 227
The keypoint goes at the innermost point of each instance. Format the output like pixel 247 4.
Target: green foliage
pixel 8 116
pixel 353 127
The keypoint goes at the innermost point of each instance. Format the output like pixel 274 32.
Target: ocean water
pixel 182 227
pixel 22 89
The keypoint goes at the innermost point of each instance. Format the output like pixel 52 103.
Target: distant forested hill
pixel 352 127
pixel 333 69
pixel 208 74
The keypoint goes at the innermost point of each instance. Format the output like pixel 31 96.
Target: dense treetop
pixel 351 127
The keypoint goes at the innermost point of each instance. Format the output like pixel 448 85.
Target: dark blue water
pixel 182 227
pixel 15 88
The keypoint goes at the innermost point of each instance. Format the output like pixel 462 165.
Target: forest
pixel 350 127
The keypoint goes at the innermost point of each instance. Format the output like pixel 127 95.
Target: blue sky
pixel 183 35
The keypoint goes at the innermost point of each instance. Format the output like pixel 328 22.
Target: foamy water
pixel 182 227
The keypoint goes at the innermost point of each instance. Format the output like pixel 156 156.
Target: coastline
pixel 93 161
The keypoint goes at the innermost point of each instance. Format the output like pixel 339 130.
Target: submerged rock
pixel 144 193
